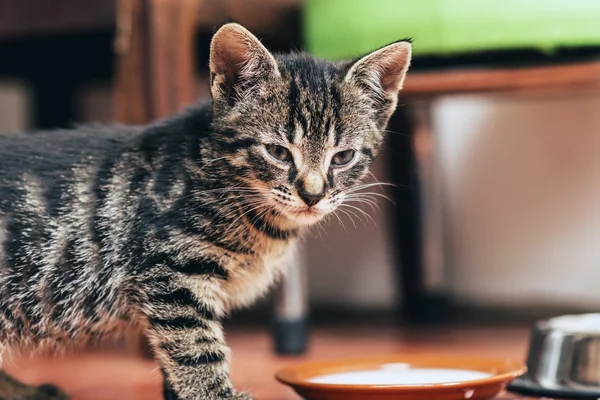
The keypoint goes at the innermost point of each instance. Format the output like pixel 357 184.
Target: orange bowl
pixel 501 372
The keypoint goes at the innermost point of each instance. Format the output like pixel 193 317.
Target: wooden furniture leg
pixel 155 58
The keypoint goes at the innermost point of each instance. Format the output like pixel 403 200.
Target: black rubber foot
pixel 429 309
pixel 291 337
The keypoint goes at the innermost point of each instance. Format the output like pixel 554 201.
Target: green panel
pixel 347 28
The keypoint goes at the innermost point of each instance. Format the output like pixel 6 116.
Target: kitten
pixel 167 227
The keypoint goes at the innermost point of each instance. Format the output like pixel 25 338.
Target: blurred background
pixel 495 146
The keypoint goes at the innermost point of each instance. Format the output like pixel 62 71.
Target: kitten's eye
pixel 279 153
pixel 342 158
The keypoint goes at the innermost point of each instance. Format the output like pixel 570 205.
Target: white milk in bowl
pixel 401 374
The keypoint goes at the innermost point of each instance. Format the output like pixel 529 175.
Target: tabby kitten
pixel 167 227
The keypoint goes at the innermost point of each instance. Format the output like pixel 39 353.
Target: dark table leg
pixel 291 322
pixel 422 301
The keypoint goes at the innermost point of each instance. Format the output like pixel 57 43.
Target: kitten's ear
pixel 238 61
pixel 383 71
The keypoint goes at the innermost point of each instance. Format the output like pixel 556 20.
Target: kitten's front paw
pixel 242 396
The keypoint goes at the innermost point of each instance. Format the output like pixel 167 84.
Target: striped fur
pixel 167 227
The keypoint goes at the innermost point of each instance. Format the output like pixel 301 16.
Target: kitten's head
pixel 304 131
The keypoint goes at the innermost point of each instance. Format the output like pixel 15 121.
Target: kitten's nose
pixel 311 188
pixel 310 198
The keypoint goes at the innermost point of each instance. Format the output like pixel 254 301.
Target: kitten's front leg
pixel 190 348
pixel 169 392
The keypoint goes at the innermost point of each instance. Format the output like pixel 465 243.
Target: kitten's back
pixel 49 157
pixel 48 153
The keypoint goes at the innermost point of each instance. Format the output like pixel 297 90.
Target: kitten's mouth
pixel 308 212
pixel 307 215
pixel 303 215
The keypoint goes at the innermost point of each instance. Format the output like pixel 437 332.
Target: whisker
pixel 340 221
pixel 253 208
pixel 349 216
pixel 368 185
pixel 374 206
pixel 373 194
pixel 354 214
pixel 362 212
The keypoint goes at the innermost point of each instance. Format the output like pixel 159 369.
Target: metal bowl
pixel 564 353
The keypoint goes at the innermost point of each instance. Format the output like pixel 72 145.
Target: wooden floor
pixel 112 377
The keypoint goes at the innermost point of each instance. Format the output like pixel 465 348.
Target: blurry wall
pixel 522 177
pixel 523 199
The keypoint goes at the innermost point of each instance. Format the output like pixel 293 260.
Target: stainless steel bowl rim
pixel 554 324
